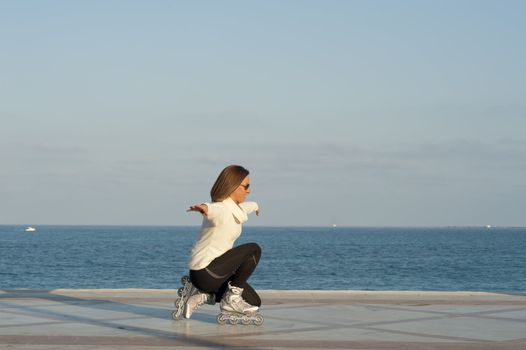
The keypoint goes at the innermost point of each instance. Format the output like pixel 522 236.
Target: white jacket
pixel 220 229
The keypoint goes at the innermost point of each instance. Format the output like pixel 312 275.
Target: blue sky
pixel 355 113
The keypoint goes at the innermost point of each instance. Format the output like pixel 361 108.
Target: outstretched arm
pixel 250 207
pixel 202 208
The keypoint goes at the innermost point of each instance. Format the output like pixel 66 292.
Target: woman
pixel 218 271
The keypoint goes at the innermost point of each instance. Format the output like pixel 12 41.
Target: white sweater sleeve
pixel 249 207
pixel 214 211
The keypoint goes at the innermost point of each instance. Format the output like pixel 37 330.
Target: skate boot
pixel 196 300
pixel 235 309
pixel 189 293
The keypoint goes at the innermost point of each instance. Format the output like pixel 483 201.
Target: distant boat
pixel 488 226
pixel 30 229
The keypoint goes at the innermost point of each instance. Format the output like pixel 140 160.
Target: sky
pixel 353 113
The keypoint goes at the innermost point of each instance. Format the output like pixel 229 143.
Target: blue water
pixel 446 259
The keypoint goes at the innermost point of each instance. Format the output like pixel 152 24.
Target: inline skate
pixel 184 293
pixel 190 298
pixel 234 309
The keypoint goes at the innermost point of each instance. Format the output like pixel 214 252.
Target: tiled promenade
pixel 140 319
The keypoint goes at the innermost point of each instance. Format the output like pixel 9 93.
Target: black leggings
pixel 235 266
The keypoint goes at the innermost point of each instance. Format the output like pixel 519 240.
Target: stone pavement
pixel 140 319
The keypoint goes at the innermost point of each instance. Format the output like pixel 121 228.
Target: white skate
pixel 235 309
pixel 190 298
pixel 184 293
pixel 196 300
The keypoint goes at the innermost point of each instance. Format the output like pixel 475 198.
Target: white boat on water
pixel 30 229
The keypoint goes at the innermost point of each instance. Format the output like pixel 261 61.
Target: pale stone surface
pixel 140 319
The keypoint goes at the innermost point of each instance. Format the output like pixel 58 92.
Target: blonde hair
pixel 227 182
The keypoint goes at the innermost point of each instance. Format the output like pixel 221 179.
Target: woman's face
pixel 241 191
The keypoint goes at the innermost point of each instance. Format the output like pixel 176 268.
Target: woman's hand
pixel 257 212
pixel 202 208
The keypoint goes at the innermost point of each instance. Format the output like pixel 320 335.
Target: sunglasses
pixel 245 186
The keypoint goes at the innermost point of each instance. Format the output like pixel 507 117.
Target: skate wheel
pixel 233 320
pixel 185 280
pixel 177 302
pixel 175 315
pixel 245 320
pixel 259 320
pixel 221 319
pixel 180 291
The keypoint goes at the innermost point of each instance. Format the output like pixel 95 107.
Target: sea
pixel 325 258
